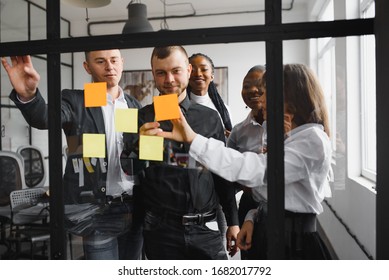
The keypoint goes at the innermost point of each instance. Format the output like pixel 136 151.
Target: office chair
pixel 11 178
pixel 29 220
pixel 34 166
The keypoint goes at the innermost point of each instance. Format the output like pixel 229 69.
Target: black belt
pixel 110 200
pixel 198 219
pixel 188 219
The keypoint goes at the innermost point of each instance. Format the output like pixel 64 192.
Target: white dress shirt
pixel 307 165
pixel 247 136
pixel 117 181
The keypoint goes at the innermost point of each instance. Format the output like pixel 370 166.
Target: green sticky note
pixel 151 147
pixel 93 145
pixel 126 120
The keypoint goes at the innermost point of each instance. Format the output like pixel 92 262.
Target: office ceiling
pixel 117 9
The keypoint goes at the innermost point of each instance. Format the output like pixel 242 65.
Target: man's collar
pixel 185 104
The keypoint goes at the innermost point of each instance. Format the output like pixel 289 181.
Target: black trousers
pixel 302 241
pixel 246 203
pixel 166 238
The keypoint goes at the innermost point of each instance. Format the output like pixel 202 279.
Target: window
pixel 326 66
pixel 326 70
pixel 368 91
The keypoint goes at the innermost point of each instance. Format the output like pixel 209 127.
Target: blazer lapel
pixel 97 116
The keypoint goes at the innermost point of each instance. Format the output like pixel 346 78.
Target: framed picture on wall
pixel 221 82
pixel 140 84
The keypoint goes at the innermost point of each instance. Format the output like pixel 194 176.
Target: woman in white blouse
pixel 249 135
pixel 307 165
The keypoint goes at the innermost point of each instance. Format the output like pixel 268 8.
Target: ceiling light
pixel 88 3
pixel 137 19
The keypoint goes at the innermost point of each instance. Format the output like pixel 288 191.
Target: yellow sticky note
pixel 166 107
pixel 95 94
pixel 93 145
pixel 126 120
pixel 151 147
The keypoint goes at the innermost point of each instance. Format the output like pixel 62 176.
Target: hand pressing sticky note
pixel 151 147
pixel 93 145
pixel 126 120
pixel 95 94
pixel 166 107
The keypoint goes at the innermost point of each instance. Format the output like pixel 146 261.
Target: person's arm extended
pixel 225 162
pixel 34 112
pixel 247 168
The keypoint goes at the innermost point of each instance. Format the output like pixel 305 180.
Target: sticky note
pixel 151 147
pixel 93 145
pixel 95 94
pixel 126 120
pixel 166 107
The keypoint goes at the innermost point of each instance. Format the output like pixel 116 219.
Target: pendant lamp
pixel 137 19
pixel 88 3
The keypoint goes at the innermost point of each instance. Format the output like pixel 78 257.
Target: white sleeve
pixel 24 102
pixel 247 168
pixel 251 215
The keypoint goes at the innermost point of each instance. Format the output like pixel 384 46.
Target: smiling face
pixel 171 74
pixel 201 75
pixel 251 92
pixel 105 66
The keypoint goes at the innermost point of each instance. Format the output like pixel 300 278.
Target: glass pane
pixel 173 15
pixel 14 21
pixel 37 18
pixel 369 108
pixel 340 78
pixel 369 166
pixel 313 10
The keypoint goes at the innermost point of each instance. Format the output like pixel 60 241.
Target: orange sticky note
pixel 93 145
pixel 166 107
pixel 126 120
pixel 95 94
pixel 151 147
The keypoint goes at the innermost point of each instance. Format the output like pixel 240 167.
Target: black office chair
pixel 34 166
pixel 11 179
pixel 29 222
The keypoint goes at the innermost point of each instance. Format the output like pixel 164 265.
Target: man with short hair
pixel 180 200
pixel 107 230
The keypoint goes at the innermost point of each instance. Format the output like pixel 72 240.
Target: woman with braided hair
pixel 202 89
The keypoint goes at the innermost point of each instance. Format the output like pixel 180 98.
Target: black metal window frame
pixel 274 32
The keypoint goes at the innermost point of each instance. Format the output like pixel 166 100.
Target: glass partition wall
pixel 326 40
